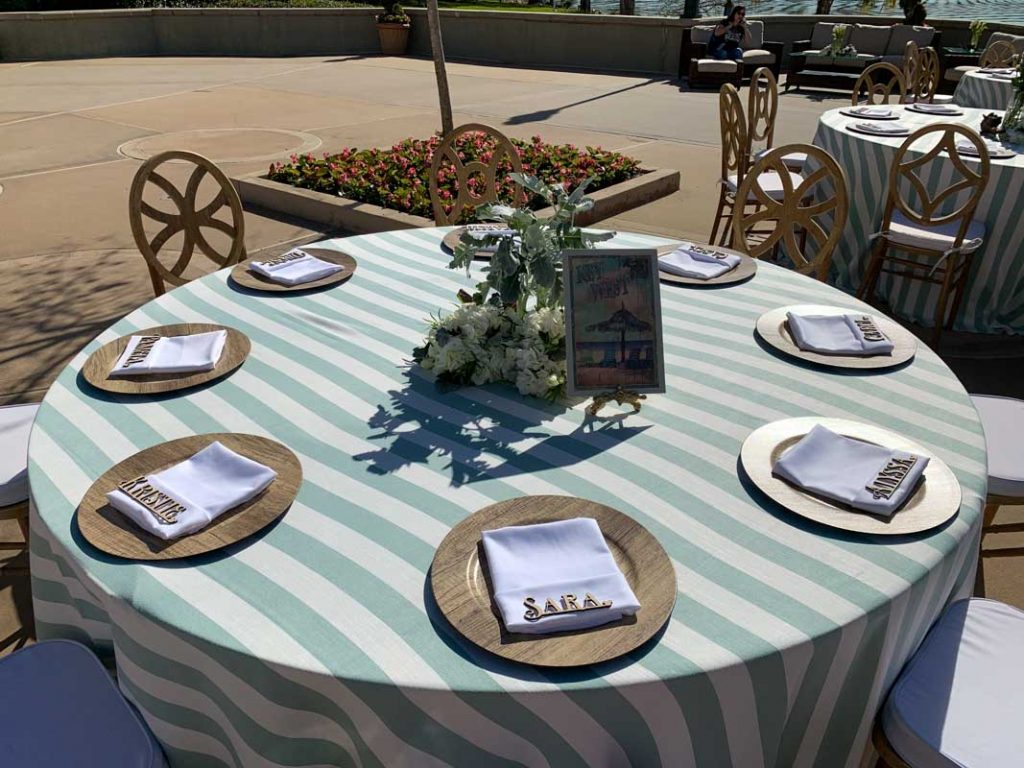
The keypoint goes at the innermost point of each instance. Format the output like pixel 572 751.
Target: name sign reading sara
pixel 891 477
pixel 869 329
pixel 284 259
pixel 569 604
pixel 163 507
pixel 141 351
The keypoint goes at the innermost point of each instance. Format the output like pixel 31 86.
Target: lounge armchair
pixel 705 71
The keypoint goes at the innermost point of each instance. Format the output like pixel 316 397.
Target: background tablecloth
pixel 982 92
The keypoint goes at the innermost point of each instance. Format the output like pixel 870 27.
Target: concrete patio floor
pixel 74 133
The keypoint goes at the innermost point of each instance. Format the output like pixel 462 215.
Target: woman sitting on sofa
pixel 730 35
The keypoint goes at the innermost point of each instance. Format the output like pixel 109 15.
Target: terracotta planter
pixel 394 38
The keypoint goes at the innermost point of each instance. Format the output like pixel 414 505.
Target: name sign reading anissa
pixel 141 351
pixel 163 507
pixel 567 604
pixel 891 477
pixel 869 329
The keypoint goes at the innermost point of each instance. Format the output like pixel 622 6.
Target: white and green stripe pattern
pixel 978 90
pixel 318 644
pixel 994 299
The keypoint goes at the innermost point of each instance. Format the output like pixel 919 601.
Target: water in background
pixel 989 10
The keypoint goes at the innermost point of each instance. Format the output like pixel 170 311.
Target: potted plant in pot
pixel 393 30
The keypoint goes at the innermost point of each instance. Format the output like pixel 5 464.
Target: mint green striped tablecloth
pixel 982 91
pixel 994 299
pixel 318 644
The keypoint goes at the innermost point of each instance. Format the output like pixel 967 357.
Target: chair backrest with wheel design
pixel 762 107
pixel 998 54
pixel 188 218
pixel 879 81
pixel 929 72
pixel 911 66
pixel 804 220
pixel 470 190
pixel 735 140
pixel 957 198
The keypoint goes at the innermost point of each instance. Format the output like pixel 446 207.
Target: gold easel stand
pixel 620 396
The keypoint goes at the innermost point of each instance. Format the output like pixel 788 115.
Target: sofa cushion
pixel 756 33
pixel 870 38
pixel 758 56
pixel 822 35
pixel 701 34
pixel 1017 41
pixel 904 33
pixel 716 65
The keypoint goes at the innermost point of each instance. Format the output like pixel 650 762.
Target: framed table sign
pixel 613 324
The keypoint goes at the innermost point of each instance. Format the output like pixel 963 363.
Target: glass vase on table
pixel 1013 122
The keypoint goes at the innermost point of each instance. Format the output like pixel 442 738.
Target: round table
pixel 982 91
pixel 319 643
pixel 994 296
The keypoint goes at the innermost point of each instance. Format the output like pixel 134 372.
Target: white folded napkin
pixel 294 268
pixel 838 335
pixel 189 496
pixel 936 109
pixel 556 565
pixel 998 70
pixel 873 111
pixel 1001 75
pixel 994 148
pixel 700 262
pixel 866 477
pixel 480 231
pixel 883 129
pixel 170 354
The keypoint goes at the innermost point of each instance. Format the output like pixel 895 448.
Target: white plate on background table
pixel 773 328
pixel 935 501
pixel 899 134
pixel 995 152
pixel 854 112
pixel 953 111
pixel 745 270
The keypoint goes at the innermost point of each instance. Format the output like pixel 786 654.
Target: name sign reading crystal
pixel 141 351
pixel 868 328
pixel 163 507
pixel 290 256
pixel 567 604
pixel 891 477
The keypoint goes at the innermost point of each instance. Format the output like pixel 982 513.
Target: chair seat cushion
pixel 771 183
pixel 958 702
pixel 1003 421
pixel 941 238
pixel 758 56
pixel 15 425
pixel 60 708
pixel 955 73
pixel 792 160
pixel 716 65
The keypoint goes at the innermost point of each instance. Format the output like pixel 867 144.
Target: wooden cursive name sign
pixel 891 477
pixel 290 256
pixel 868 328
pixel 708 252
pixel 141 351
pixel 163 507
pixel 569 604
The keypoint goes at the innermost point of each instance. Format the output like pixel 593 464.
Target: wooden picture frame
pixel 609 292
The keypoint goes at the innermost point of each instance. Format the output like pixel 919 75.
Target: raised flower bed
pixel 374 190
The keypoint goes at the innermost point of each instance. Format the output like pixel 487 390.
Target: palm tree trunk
pixel 437 50
pixel 824 7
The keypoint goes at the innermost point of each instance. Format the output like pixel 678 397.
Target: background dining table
pixel 319 643
pixel 994 299
pixel 980 90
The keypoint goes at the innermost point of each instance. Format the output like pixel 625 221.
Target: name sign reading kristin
pixel 141 351
pixel 569 604
pixel 284 259
pixel 163 507
pixel 868 328
pixel 891 477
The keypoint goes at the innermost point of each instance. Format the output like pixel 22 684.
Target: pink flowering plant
pixel 398 177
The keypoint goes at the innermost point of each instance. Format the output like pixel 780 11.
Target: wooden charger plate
pixel 462 588
pixel 852 112
pixel 97 368
pixel 745 270
pixel 918 110
pixel 452 240
pixel 241 275
pixel 862 132
pixel 936 500
pixel 773 328
pixel 114 533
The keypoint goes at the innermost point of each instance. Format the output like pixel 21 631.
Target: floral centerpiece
pixel 1013 123
pixel 512 329
pixel 978 28
pixel 838 35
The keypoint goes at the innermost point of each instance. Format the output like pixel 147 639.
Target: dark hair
pixel 735 10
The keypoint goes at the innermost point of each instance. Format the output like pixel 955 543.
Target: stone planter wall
pixel 362 218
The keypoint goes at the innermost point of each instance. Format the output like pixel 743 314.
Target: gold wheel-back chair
pixel 188 218
pixel 803 217
pixel 762 111
pixel 998 54
pixel 879 81
pixel 447 212
pixel 939 246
